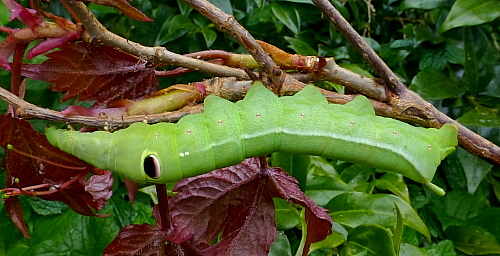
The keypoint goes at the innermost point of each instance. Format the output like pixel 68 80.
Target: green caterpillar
pixel 227 133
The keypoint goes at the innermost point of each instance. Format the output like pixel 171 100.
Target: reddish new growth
pixel 53 34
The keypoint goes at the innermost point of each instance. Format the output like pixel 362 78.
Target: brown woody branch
pixel 392 81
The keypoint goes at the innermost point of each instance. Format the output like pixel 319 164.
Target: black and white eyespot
pixel 152 166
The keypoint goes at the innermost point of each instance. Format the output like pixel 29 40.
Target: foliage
pixel 446 51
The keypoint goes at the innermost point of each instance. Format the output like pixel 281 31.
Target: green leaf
pixel 354 208
pixel 492 89
pixel 473 240
pixel 44 207
pixel 411 250
pixel 470 13
pixel 458 207
pixel 175 28
pixel 481 116
pixel 485 218
pixel 71 232
pixel 184 7
pixel 332 241
pixel 443 248
pixel 281 246
pixel 395 183
pixel 434 85
pixel 224 5
pixel 301 47
pixel 474 167
pixel 423 4
pixel 323 182
pixel 358 177
pixel 369 239
pixel 440 57
pixel 4 14
pixel 287 216
pixel 288 15
pixel 298 1
pixel 398 230
pixel 294 164
pixel 210 35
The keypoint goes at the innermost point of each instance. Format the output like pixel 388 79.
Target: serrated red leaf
pixel 48 167
pixel 95 73
pixel 250 233
pixel 237 201
pixel 143 239
pixel 124 7
pixel 200 207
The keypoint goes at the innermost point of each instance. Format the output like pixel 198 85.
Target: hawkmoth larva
pixel 226 133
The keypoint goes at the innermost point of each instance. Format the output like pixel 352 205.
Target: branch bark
pixel 392 81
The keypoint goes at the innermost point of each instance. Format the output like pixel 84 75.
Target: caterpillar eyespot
pixel 152 166
pixel 415 152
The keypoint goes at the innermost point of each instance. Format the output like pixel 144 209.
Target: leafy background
pixel 447 51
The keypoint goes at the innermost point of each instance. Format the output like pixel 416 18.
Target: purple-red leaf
pixel 36 168
pixel 124 7
pixel 250 232
pixel 15 212
pixel 137 239
pixel 92 73
pixel 237 201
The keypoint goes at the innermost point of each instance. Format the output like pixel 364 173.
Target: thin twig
pixel 392 81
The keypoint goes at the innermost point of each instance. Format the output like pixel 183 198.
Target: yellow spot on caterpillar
pixel 71 138
pixel 430 147
pixel 302 115
pixel 219 122
pixel 394 133
pixel 157 135
pixel 189 131
pixel 351 123
pixel 182 154
pixel 257 115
